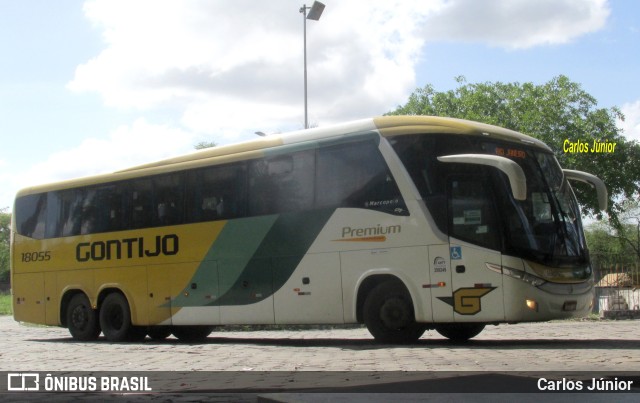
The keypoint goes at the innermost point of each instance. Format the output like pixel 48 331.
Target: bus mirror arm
pixel 592 180
pixel 514 172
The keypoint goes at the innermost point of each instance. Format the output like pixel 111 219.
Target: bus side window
pixel 92 213
pixel 356 175
pixel 54 216
pixel 103 209
pixel 70 212
pixel 169 200
pixel 282 184
pixel 115 207
pixel 261 198
pixel 216 193
pixel 141 203
pixel 31 215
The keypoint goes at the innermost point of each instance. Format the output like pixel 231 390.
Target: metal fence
pixel 617 284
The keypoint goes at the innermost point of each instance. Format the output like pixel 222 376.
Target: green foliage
pixel 616 245
pixel 553 112
pixel 5 304
pixel 205 144
pixel 5 222
pixel 608 249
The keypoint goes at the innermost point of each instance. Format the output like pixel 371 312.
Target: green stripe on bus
pixel 253 258
pixel 230 252
pixel 276 259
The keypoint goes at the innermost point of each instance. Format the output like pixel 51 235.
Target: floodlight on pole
pixel 315 11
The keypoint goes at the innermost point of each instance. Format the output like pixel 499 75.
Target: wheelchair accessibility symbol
pixel 456 252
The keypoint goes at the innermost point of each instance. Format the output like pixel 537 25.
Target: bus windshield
pixel 544 228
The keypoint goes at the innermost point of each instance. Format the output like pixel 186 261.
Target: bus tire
pixel 192 333
pixel 459 332
pixel 389 316
pixel 82 320
pixel 115 318
pixel 159 332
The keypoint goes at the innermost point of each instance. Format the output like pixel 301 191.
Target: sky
pixel 94 86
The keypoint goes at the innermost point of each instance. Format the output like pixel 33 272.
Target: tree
pixel 205 144
pixel 622 242
pixel 606 247
pixel 5 222
pixel 553 112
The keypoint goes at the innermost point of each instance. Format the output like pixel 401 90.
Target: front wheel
pixel 389 315
pixel 459 332
pixel 82 319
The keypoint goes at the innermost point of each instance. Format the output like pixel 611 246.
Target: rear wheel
pixel 389 315
pixel 82 320
pixel 459 332
pixel 192 333
pixel 115 319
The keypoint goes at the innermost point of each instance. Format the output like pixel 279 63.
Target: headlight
pixel 519 274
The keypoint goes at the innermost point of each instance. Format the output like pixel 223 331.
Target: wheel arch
pixel 104 292
pixel 66 298
pixel 368 283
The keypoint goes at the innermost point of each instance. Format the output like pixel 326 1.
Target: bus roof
pixel 387 126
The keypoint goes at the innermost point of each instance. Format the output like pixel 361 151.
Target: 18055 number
pixel 28 257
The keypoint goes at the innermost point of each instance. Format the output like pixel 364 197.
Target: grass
pixel 5 304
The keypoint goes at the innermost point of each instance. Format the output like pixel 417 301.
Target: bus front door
pixel 474 251
pixel 477 294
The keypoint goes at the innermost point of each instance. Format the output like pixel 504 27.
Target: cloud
pixel 225 62
pixel 631 124
pixel 127 146
pixel 236 66
pixel 517 24
pixel 228 68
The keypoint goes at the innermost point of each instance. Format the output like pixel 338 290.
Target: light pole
pixel 638 239
pixel 315 11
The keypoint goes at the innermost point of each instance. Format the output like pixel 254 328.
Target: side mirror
pixel 514 172
pixel 592 180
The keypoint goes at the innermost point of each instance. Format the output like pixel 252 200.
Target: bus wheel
pixel 115 318
pixel 192 333
pixel 389 316
pixel 159 332
pixel 459 332
pixel 82 320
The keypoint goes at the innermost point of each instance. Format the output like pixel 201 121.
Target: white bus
pixel 401 223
